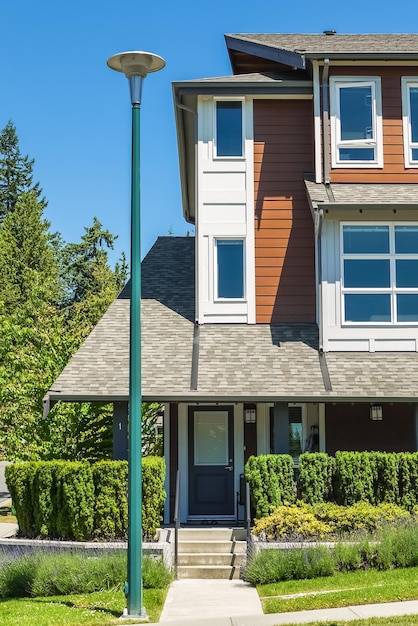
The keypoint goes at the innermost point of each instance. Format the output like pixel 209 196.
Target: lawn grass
pixel 95 609
pixel 353 588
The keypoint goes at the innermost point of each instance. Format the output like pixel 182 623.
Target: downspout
pixel 325 119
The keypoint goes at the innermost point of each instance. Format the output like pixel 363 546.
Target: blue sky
pixel 73 115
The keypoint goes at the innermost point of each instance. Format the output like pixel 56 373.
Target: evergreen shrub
pixel 302 521
pixel 316 473
pixel 270 477
pixel 80 501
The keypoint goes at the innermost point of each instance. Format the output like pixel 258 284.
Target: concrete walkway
pixel 235 603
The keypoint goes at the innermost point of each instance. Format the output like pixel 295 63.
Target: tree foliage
pixel 16 172
pixel 51 296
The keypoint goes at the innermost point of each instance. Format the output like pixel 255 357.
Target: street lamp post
pixel 135 65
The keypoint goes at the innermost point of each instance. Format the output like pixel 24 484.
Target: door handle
pixel 229 467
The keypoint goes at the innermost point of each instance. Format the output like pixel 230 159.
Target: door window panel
pixel 211 438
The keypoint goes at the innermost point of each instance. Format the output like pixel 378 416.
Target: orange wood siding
pixel 393 170
pixel 284 236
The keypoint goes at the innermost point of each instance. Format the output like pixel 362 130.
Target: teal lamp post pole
pixel 135 65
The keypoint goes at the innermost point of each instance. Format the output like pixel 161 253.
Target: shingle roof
pixel 337 43
pixel 253 77
pixel 356 194
pixel 236 361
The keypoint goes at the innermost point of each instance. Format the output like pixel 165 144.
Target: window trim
pixel 392 290
pixel 217 298
pixel 336 83
pixel 407 82
pixel 215 128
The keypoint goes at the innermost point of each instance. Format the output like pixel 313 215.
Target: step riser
pixel 212 534
pixel 225 573
pixel 211 559
pixel 212 547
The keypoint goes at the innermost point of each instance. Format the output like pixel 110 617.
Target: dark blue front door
pixel 211 461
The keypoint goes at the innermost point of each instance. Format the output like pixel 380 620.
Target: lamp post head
pixel 136 64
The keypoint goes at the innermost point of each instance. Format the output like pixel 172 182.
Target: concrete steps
pixel 211 552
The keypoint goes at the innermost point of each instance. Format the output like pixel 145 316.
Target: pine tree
pixel 16 172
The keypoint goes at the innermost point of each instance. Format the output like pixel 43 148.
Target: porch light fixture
pixel 376 413
pixel 135 65
pixel 250 416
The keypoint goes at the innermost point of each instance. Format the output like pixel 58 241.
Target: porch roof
pixel 231 362
pixel 379 196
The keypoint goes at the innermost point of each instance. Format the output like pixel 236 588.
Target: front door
pixel 211 461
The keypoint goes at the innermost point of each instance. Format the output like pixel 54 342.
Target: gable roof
pixel 294 50
pixel 219 362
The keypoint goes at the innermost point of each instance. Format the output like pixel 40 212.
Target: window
pixel 379 273
pixel 230 268
pixel 410 120
pixel 356 122
pixel 229 133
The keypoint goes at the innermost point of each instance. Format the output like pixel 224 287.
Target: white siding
pixel 225 208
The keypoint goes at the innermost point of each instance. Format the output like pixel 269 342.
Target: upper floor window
pixel 410 119
pixel 379 273
pixel 229 268
pixel 229 135
pixel 356 122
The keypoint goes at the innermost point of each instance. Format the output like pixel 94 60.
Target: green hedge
pixel 270 477
pixel 316 472
pixel 81 501
pixel 347 478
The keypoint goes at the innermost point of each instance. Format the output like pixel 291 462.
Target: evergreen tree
pixel 16 172
pixel 28 263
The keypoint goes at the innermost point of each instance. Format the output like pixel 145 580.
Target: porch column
pixel 120 431
pixel 281 428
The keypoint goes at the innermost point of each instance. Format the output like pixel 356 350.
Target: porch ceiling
pixel 234 362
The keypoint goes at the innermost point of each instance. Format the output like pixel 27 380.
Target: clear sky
pixel 72 113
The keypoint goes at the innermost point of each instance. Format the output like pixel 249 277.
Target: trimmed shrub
pixel 74 500
pixel 316 473
pixel 110 480
pixel 19 479
pixel 354 478
pixel 325 520
pixel 153 494
pixel 79 501
pixel 408 479
pixel 293 523
pixel 270 477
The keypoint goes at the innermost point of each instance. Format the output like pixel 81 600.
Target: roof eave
pixel 362 56
pixel 245 87
pixel 284 57
pixel 381 206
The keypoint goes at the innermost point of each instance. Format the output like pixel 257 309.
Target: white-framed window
pixel 229 269
pixel 356 121
pixel 229 128
pixel 410 119
pixel 379 273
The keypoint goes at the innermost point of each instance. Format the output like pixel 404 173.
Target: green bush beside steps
pixel 347 478
pixel 82 501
